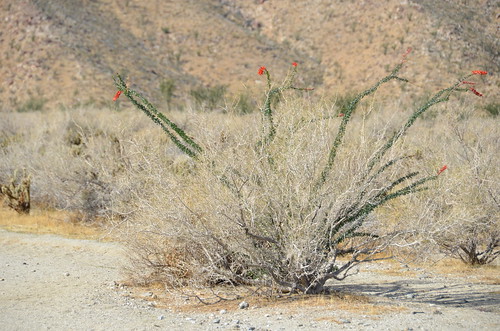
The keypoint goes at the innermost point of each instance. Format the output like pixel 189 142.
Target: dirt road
pixel 52 283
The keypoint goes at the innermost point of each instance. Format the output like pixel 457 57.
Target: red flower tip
pixel 475 92
pixel 467 82
pixel 261 70
pixel 408 51
pixel 117 95
pixel 294 64
pixel 479 72
pixel 340 115
pixel 443 168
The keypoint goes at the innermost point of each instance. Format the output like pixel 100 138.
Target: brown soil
pixel 64 54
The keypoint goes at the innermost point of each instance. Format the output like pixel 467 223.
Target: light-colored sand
pixel 49 282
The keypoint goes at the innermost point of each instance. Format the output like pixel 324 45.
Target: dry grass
pixel 489 274
pixel 49 222
pixel 290 304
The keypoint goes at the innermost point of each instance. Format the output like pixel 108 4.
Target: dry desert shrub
pixel 460 216
pixel 285 201
pixel 75 158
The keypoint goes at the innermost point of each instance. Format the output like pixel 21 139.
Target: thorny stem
pixel 345 120
pixel 185 143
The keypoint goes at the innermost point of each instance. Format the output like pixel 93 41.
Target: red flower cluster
pixel 479 72
pixel 261 70
pixel 443 168
pixel 294 64
pixel 117 95
pixel 408 51
pixel 475 92
pixel 467 82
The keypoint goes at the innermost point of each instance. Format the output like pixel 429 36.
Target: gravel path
pixel 49 282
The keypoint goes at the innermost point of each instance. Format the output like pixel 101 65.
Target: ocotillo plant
pixel 274 213
pixel 272 92
pixel 185 143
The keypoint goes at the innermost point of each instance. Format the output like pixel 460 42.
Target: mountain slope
pixel 66 52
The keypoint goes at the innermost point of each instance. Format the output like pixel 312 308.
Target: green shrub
pixel 210 97
pixel 167 88
pixel 493 108
pixel 245 104
pixel 32 104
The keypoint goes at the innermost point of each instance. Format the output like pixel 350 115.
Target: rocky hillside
pixel 58 53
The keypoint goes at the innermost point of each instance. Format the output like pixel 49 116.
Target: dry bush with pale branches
pixel 286 201
pixel 283 200
pixel 74 158
pixel 460 216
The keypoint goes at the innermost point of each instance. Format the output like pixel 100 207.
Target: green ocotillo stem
pixel 345 120
pixel 185 143
pixel 439 97
pixel 267 110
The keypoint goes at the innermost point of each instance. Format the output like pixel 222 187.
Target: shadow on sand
pixel 477 296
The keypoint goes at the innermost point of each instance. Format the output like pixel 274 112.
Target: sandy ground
pixel 53 283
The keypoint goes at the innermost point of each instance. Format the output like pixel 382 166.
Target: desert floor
pixel 52 282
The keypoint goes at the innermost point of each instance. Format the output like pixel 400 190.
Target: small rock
pixel 267 315
pixel 161 317
pixel 345 321
pixel 66 274
pixel 223 311
pixel 438 312
pixel 251 328
pixel 217 321
pixel 411 296
pixel 243 305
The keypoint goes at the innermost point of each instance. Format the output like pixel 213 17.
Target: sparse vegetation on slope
pixel 63 54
